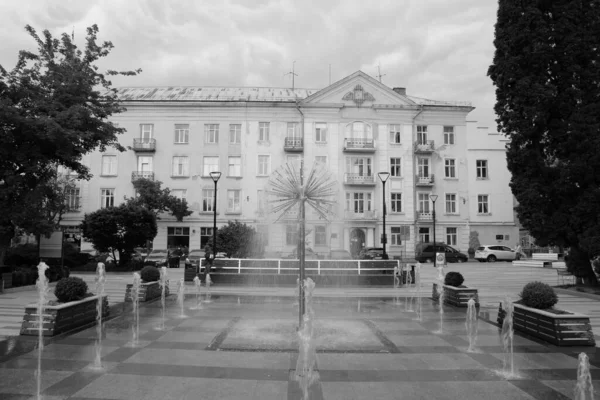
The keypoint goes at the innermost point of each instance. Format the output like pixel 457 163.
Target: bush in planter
pixel 538 295
pixel 454 279
pixel 70 289
pixel 150 273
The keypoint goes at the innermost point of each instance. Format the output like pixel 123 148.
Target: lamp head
pixel 433 197
pixel 215 175
pixel 384 176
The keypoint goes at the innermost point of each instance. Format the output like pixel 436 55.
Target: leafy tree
pixel 54 108
pixel 238 240
pixel 547 82
pixel 119 229
pixel 157 200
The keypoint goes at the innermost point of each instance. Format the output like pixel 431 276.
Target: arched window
pixel 359 130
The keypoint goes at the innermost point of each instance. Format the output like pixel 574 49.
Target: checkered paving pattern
pixel 245 348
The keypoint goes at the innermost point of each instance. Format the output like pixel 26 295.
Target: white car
pixel 493 253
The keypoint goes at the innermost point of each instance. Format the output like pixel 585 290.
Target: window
pixel 422 134
pixel 424 235
pixel 450 203
pixel 211 133
pixel 72 199
pixel 423 201
pixel 235 134
pixel 396 202
pixel 263 131
pixel 178 236
pixel 483 206
pixel 482 170
pixel 107 198
pixel 211 164
pixel 146 132
pixel 206 235
pixel 292 130
pixel 233 201
pixel 262 201
pixel 400 233
pixel 181 194
pixel 320 132
pixel 358 202
pixel 235 166
pixel 264 165
pixel 360 166
pixel 450 167
pixel 321 161
pixel 181 166
pixel 359 130
pixel 395 133
pixel 182 133
pixel 423 167
pixel 291 234
pixel 294 160
pixel 208 198
pixel 145 164
pixel 263 234
pixel 451 236
pixel 448 135
pixel 396 167
pixel 109 166
pixel 320 235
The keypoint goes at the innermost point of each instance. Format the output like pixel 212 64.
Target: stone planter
pixel 570 329
pixel 455 296
pixel 63 317
pixel 148 291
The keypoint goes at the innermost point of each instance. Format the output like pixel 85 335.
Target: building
pixel 357 127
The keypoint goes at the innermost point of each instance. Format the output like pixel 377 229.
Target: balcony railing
pixel 366 215
pixel 424 216
pixel 427 146
pixel 359 145
pixel 359 179
pixel 144 144
pixel 135 175
pixel 293 144
pixel 424 180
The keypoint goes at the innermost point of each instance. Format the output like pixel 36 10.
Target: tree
pixel 239 240
pixel 54 108
pixel 119 229
pixel 157 200
pixel 547 77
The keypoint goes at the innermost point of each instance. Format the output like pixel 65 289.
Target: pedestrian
pixel 519 251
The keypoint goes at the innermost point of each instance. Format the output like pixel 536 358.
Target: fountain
pixel 408 305
pixel 507 338
pixel 100 282
pixel 417 289
pixel 198 285
pixel 163 287
pixel 584 390
pixel 305 373
pixel 43 289
pixel 181 297
pixel 208 283
pixel 471 324
pixel 135 300
pixel 396 277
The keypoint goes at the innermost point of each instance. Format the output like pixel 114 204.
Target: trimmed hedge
pixel 70 289
pixel 538 295
pixel 454 279
pixel 150 274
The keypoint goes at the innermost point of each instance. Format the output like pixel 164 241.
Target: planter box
pixel 6 280
pixel 455 296
pixel 148 291
pixel 64 317
pixel 571 329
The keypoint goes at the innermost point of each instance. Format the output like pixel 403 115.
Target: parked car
pixel 493 253
pixel 340 254
pixel 309 254
pixel 158 258
pixel 371 253
pixel 452 255
pixel 194 259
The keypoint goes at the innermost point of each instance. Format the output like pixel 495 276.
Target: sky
pixel 434 50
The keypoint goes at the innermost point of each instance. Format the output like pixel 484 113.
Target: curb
pixel 577 294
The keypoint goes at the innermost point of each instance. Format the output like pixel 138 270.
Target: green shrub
pixel 70 289
pixel 150 274
pixel 538 295
pixel 454 279
pixel 23 254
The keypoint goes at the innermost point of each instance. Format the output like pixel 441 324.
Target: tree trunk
pixel 579 265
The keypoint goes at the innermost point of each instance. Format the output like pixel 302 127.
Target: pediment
pixel 358 90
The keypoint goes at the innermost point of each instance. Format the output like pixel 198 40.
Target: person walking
pixel 519 251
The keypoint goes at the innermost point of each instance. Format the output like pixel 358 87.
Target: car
pixel 194 259
pixel 158 258
pixel 371 253
pixel 340 254
pixel 309 254
pixel 452 255
pixel 493 253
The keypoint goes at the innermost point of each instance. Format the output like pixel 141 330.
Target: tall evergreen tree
pixel 546 70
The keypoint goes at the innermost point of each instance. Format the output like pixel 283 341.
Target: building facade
pixel 356 127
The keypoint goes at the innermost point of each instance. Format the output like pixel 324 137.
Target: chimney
pixel 400 90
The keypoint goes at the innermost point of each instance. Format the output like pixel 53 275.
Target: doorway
pixel 357 241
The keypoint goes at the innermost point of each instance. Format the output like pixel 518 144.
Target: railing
pixel 359 179
pixel 359 144
pixel 144 144
pixel 424 180
pixel 135 175
pixel 427 146
pixel 293 143
pixel 367 215
pixel 424 216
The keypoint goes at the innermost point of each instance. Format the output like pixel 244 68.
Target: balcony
pixel 144 145
pixel 424 181
pixel 364 216
pixel 359 179
pixel 135 175
pixel 354 145
pixel 426 147
pixel 424 216
pixel 293 144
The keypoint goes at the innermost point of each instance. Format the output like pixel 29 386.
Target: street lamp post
pixel 384 177
pixel 433 198
pixel 215 175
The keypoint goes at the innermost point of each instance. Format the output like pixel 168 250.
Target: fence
pixel 320 267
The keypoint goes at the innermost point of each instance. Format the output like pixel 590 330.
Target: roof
pixel 188 93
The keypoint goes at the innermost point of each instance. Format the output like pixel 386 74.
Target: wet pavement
pixel 244 347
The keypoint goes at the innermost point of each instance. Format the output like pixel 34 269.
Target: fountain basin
pixel 571 329
pixel 455 296
pixel 63 317
pixel 148 291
